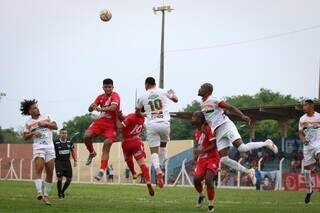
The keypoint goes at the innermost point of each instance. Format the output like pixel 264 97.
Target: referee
pixel 63 149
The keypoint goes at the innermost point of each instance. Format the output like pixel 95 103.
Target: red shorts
pixel 105 128
pixel 204 164
pixel 133 148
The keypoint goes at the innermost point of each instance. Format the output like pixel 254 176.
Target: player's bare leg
pixel 88 135
pixel 104 158
pixel 49 166
pixel 145 172
pixel 199 187
pixel 210 189
pixel 155 162
pixel 39 166
pixel 224 159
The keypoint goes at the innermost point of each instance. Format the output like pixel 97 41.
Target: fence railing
pixel 22 169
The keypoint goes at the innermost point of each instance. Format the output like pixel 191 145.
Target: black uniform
pixel 63 164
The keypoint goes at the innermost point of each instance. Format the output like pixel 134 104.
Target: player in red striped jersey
pixel 207 159
pixel 132 145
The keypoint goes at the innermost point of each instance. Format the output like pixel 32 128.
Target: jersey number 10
pixel 155 104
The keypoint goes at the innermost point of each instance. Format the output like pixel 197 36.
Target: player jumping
pixel 225 130
pixel 207 159
pixel 154 102
pixel 39 129
pixel 309 133
pixel 132 145
pixel 108 104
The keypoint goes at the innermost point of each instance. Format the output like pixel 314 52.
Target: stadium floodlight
pixel 162 9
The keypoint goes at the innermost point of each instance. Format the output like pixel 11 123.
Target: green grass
pixel 20 197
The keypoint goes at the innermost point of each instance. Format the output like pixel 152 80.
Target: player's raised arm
pixel 172 96
pixel 235 111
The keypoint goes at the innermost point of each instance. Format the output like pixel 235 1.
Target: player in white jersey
pixel 39 129
pixel 154 102
pixel 309 133
pixel 226 132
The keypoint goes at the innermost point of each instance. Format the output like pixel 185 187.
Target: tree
pixel 10 136
pixel 79 124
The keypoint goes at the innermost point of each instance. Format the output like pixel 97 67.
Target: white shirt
pixel 154 102
pixel 45 140
pixel 311 128
pixel 212 109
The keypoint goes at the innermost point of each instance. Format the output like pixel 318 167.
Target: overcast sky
pixel 59 51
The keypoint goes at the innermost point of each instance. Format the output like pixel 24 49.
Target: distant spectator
pixel 295 165
pixel 111 173
pixel 127 173
pixel 258 177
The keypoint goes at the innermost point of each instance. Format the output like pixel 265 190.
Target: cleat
pixel 210 209
pixel 99 176
pixel 150 189
pixel 200 201
pixel 46 201
pixel 39 196
pixel 60 196
pixel 270 145
pixel 160 180
pixel 90 157
pixel 252 174
pixel 308 198
pixel 135 176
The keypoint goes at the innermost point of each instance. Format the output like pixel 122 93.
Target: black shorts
pixel 63 169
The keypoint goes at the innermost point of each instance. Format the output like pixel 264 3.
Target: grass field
pixel 20 197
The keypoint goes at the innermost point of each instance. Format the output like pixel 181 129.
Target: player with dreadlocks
pixel 38 128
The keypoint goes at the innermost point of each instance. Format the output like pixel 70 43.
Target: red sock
pixel 198 187
pixel 210 192
pixel 131 165
pixel 89 146
pixel 145 172
pixel 103 164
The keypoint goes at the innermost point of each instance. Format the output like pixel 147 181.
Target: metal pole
pixel 239 175
pixel 161 80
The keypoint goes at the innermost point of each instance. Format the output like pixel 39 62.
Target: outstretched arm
pixel 237 112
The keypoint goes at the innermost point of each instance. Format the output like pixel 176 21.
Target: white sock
pixel 250 146
pixel 210 202
pixel 155 161
pixel 162 155
pixel 308 180
pixel 233 164
pixel 46 188
pixel 38 183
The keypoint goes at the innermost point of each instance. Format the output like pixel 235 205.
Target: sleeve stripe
pixel 124 124
pixel 114 103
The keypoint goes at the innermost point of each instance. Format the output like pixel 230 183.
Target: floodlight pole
pixel 162 9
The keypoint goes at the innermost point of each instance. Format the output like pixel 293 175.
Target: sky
pixel 59 51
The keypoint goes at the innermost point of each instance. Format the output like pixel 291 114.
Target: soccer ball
pixel 105 15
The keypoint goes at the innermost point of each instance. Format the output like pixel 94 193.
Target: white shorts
pixel 226 134
pixel 309 154
pixel 46 153
pixel 158 132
